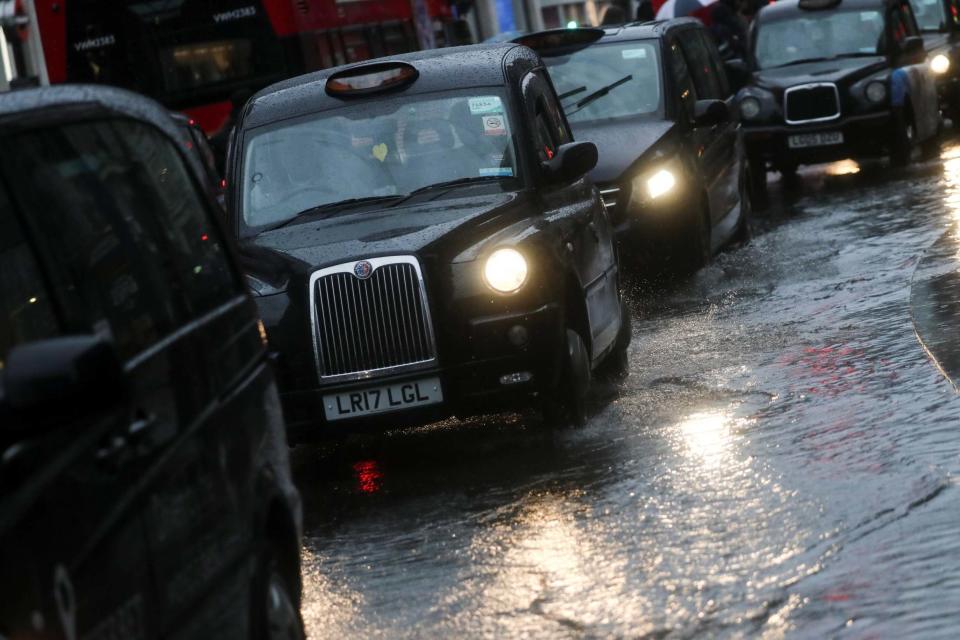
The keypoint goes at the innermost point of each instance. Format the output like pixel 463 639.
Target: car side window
pixel 716 64
pixel 108 260
pixel 701 66
pixel 683 83
pixel 552 105
pixel 549 131
pixel 25 305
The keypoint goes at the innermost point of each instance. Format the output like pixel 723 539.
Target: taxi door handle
pixel 121 449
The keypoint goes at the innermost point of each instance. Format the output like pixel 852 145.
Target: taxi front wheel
pixel 567 404
pixel 276 616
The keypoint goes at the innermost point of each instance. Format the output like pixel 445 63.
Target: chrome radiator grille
pixel 374 325
pixel 811 103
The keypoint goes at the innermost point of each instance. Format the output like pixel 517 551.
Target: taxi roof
pixel 28 108
pixel 653 29
pixel 439 69
pixel 782 9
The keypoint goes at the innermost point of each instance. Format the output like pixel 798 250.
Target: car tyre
pixel 567 404
pixel 758 183
pixel 904 140
pixel 616 365
pixel 276 612
pixel 695 252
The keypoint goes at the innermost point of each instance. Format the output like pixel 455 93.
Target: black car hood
pixel 366 233
pixel 621 144
pixel 843 71
pixel 933 40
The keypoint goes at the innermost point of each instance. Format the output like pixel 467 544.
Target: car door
pixel 201 530
pixel 922 87
pixel 578 212
pixel 716 144
pixel 80 530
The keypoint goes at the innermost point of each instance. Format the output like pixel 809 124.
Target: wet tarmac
pixel 781 461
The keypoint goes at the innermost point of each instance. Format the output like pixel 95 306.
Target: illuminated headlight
pixel 661 183
pixel 749 108
pixel 505 270
pixel 939 64
pixel 876 92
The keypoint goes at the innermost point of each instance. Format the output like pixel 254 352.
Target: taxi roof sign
pixel 560 38
pixel 817 5
pixel 371 78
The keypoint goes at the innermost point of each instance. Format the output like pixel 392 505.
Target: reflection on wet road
pixel 779 461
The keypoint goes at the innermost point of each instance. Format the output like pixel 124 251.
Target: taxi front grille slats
pixel 374 326
pixel 818 102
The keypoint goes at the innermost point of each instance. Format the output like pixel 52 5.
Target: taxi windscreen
pixel 819 36
pixel 375 148
pixel 631 71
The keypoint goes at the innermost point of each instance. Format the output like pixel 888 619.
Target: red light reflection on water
pixel 369 476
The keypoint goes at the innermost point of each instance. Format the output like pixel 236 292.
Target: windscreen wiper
pixel 331 207
pixel 446 185
pixel 599 93
pixel 571 93
pixel 801 61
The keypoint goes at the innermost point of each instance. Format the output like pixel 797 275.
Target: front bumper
pixel 864 136
pixel 470 377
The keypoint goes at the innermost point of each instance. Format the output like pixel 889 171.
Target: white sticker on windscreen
pixel 494 126
pixel 633 54
pixel 482 105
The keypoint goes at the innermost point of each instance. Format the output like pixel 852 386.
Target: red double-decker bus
pixel 193 55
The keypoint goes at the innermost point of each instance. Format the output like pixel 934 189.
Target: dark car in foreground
pixel 833 80
pixel 939 22
pixel 656 101
pixel 145 488
pixel 195 141
pixel 423 241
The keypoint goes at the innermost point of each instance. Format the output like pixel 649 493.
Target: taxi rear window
pixel 375 147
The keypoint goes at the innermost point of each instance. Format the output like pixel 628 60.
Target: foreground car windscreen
pixel 822 35
pixel 608 81
pixel 375 148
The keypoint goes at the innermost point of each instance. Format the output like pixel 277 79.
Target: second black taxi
pixel 423 241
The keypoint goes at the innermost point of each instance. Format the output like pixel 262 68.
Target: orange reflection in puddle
pixel 369 476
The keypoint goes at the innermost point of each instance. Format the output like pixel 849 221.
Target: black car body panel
pixel 471 338
pixel 704 159
pixel 836 117
pixel 139 507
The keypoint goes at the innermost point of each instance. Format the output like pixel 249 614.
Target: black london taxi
pixel 422 240
pixel 834 79
pixel 939 22
pixel 656 101
pixel 145 488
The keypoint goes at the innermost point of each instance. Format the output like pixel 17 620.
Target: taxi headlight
pixel 749 108
pixel 660 183
pixel 505 270
pixel 939 64
pixel 876 91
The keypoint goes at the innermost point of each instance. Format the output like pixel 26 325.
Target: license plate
pixel 382 399
pixel 815 139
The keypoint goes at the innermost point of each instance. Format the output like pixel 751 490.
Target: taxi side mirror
pixel 709 113
pixel 59 378
pixel 571 162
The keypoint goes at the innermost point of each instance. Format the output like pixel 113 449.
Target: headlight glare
pixel 660 183
pixel 505 270
pixel 876 91
pixel 749 108
pixel 939 64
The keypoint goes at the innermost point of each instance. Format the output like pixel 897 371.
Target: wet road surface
pixel 781 460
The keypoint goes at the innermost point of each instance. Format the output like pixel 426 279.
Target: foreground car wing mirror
pixel 709 113
pixel 571 162
pixel 60 377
